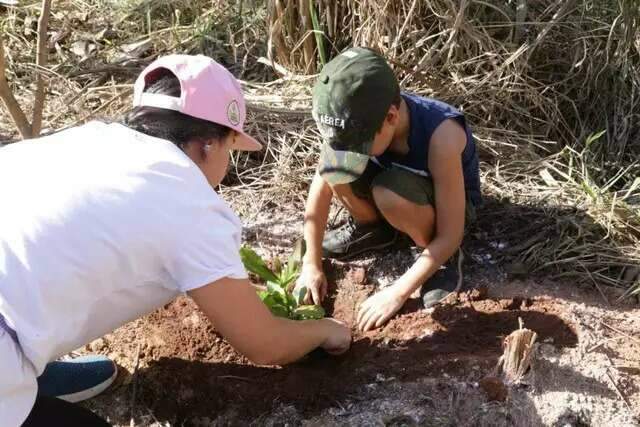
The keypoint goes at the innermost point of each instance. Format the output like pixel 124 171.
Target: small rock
pixel 358 276
pixel 107 33
pixel 97 345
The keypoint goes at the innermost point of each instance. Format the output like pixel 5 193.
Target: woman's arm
pixel 238 314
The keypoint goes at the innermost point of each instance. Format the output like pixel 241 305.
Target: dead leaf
pixel 107 33
pixel 82 48
pixel 30 26
pixel 548 178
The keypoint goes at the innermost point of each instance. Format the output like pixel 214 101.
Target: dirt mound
pixel 192 371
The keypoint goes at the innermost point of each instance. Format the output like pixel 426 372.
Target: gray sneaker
pixel 444 282
pixel 352 239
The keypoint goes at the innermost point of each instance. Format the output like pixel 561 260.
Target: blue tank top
pixel 425 115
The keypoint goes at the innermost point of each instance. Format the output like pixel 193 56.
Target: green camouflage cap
pixel 350 101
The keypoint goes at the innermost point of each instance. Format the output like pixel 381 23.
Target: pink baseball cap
pixel 208 92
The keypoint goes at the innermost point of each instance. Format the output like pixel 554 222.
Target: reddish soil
pixel 495 389
pixel 191 371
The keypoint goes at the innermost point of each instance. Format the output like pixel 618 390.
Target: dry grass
pixel 536 78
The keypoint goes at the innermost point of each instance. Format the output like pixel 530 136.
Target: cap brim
pixel 341 167
pixel 246 143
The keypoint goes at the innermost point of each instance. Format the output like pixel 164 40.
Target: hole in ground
pixel 193 372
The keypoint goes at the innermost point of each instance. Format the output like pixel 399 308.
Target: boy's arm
pixel 315 221
pixel 445 165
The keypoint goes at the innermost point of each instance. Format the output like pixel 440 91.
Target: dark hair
pixel 168 124
pixel 396 100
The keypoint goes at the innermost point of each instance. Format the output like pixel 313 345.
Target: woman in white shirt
pixel 103 223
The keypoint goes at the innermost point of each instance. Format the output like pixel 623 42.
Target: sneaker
pixel 444 282
pixel 353 239
pixel 77 379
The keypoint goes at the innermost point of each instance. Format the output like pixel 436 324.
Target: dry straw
pixel 537 79
pixel 551 89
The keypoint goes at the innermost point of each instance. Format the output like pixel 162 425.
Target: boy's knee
pixel 386 200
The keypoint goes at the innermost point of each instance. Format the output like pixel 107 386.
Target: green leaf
pixel 589 190
pixel 291 272
pixel 275 289
pixel 299 293
pixel 299 248
pixel 308 312
pixel 280 311
pixel 277 265
pixel 318 32
pixel 276 303
pixel 256 265
pixel 291 302
pixel 593 138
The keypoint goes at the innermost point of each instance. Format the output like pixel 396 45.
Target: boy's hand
pixel 315 281
pixel 379 308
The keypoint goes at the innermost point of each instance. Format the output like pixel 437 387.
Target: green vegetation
pixel 279 295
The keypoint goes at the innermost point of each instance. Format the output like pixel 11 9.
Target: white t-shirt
pixel 99 225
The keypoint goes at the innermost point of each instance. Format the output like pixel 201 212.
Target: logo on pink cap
pixel 233 112
pixel 208 92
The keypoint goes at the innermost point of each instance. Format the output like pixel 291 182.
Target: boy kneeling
pixel 398 163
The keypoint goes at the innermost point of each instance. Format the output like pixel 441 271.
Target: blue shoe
pixel 77 379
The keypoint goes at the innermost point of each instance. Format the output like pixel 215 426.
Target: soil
pixel 495 388
pixel 190 371
pixel 431 367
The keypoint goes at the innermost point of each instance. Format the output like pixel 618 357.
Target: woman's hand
pixel 312 277
pixel 248 325
pixel 338 337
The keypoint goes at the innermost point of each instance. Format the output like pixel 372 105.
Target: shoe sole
pixel 90 392
pixel 458 285
pixel 371 248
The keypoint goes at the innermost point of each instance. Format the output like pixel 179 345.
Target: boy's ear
pixel 393 115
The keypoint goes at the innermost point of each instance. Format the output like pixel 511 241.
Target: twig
pixel 103 106
pixel 620 332
pixel 18 116
pixel 615 386
pixel 601 343
pixel 109 69
pixel 622 396
pixel 41 61
pixel 565 7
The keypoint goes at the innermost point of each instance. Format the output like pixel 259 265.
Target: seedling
pixel 280 296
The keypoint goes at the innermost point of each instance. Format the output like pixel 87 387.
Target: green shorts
pixel 415 188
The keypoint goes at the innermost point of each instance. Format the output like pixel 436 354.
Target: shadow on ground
pixel 179 391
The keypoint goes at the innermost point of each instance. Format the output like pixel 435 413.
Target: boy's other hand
pixel 379 308
pixel 338 337
pixel 315 281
